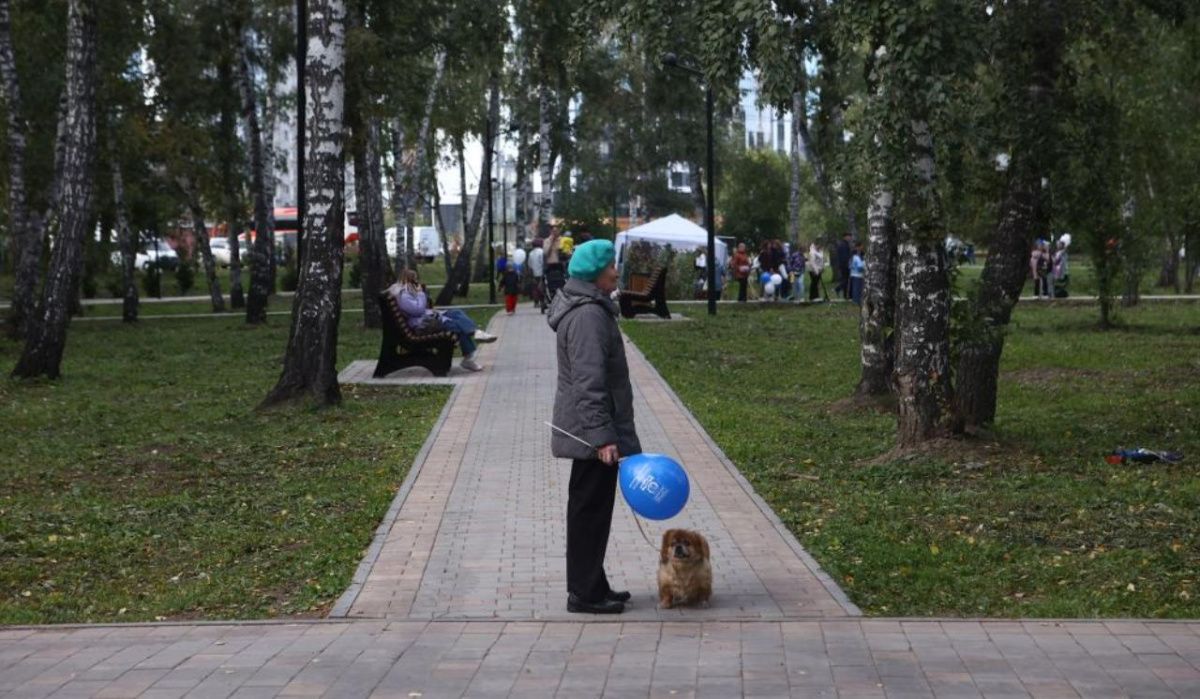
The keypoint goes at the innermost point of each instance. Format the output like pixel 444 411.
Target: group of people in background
pixel 789 272
pixel 1050 271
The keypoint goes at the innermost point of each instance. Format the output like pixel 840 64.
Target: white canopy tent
pixel 674 230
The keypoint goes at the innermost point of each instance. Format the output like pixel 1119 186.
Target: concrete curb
pixel 811 563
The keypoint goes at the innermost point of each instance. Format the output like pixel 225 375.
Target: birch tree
pixel 261 249
pixel 47 335
pixel 25 231
pixel 310 360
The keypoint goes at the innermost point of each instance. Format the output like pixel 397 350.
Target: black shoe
pixel 614 596
pixel 605 606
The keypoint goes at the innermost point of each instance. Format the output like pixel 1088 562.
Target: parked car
pixel 155 253
pixel 221 253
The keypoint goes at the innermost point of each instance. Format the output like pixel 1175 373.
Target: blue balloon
pixel 654 485
pixel 765 278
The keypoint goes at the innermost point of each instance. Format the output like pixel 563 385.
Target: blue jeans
pixel 856 289
pixel 459 323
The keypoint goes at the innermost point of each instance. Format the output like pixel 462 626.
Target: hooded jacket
pixel 594 399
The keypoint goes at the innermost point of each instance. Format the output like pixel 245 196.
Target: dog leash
pixel 636 519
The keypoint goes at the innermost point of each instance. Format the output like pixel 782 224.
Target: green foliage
pixel 152 281
pixel 754 193
pixel 185 276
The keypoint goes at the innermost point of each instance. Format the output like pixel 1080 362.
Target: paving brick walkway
pixel 461 594
pixel 480 533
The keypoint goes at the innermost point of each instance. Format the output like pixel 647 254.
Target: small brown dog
pixel 684 572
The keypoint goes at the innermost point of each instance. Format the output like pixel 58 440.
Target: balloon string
pixel 636 520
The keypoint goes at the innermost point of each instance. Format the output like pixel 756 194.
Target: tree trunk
pixel 47 333
pixel 696 184
pixel 922 375
pixel 200 240
pixel 979 349
pixel 1168 273
pixel 26 237
pixel 989 308
pixel 406 181
pixel 126 244
pixel 1192 256
pixel 879 299
pixel 310 362
pixel 372 248
pixel 463 217
pixel 443 236
pixel 829 198
pixel 270 115
pixel 521 209
pixel 545 203
pixel 922 341
pixel 461 272
pixel 261 252
pixel 798 116
pixel 231 184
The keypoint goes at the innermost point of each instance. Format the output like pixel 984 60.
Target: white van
pixel 427 244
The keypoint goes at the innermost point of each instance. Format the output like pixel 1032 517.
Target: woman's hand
pixel 608 454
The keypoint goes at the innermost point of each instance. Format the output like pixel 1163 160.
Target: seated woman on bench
pixel 415 306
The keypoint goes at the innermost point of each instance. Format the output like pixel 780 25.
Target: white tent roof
pixel 673 230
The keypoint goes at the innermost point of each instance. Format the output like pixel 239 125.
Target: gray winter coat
pixel 594 399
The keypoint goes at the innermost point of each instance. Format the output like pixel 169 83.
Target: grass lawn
pixel 1031 523
pixel 143 485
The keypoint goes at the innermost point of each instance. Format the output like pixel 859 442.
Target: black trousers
pixel 813 286
pixel 590 497
pixel 742 289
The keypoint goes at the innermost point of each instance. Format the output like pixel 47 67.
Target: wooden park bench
pixel 403 347
pixel 646 294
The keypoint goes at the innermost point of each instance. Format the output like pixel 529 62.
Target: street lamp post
pixel 672 61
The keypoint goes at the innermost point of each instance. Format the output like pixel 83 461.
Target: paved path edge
pixel 827 581
pixel 341 608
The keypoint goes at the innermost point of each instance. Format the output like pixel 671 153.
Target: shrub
pixel 185 276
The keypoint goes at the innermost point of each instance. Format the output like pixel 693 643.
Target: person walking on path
pixel 593 401
pixel 816 267
pixel 553 257
pixel 857 268
pixel 843 250
pixel 741 270
pixel 537 270
pixel 510 281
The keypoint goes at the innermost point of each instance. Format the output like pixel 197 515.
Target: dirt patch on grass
pixel 1043 375
pixel 968 453
pixel 853 404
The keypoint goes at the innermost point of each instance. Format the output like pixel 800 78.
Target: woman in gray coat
pixel 593 401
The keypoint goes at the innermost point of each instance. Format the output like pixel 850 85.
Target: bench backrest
pixel 395 320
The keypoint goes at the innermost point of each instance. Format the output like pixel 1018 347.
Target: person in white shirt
pixel 816 267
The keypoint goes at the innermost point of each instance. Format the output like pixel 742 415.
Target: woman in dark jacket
pixel 594 402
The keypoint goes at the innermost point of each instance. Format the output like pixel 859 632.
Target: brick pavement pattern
pixel 481 532
pixel 460 594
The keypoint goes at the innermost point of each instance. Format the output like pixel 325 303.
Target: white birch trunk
pixel 261 250
pixel 126 244
pixel 26 238
pixel 545 203
pixel 796 156
pixel 47 335
pixel 310 361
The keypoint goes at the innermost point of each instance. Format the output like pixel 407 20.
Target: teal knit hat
pixel 589 259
